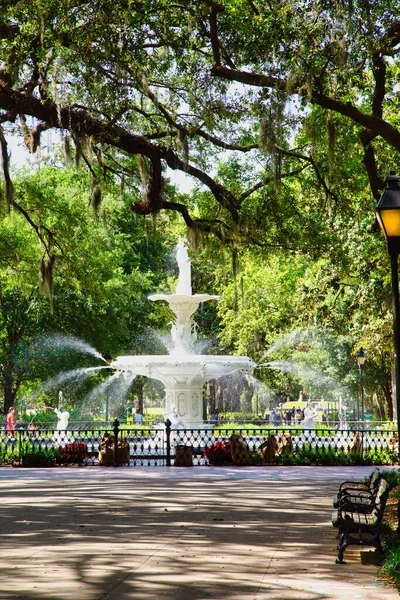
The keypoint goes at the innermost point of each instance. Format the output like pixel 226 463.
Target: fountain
pixel 183 372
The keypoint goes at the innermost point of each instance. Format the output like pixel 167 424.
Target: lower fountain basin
pixel 189 369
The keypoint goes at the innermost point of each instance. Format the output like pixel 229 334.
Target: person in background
pixel 214 416
pixel 33 428
pixel 138 417
pixel 10 420
pixel 20 424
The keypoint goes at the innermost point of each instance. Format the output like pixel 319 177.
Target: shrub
pixel 23 454
pixel 233 417
pixel 390 568
pixel 40 457
pixel 255 459
pixel 392 477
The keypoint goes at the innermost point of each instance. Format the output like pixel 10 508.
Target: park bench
pixel 359 493
pixel 360 526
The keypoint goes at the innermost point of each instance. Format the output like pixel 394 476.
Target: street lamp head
pixel 388 212
pixel 360 358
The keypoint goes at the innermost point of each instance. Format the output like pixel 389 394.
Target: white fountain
pixel 183 372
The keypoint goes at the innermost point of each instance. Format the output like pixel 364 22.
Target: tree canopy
pixel 284 114
pixel 142 86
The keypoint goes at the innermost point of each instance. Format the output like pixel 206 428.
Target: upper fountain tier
pixel 183 304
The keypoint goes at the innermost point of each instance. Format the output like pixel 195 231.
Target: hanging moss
pixel 267 137
pixel 143 174
pixel 194 236
pixel 78 153
pixel 184 145
pixel 67 151
pixel 331 136
pixel 235 269
pixel 46 270
pixel 95 195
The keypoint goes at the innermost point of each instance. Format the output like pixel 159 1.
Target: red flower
pixel 218 452
pixel 74 451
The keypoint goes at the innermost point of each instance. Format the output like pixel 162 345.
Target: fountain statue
pixel 185 278
pixel 309 415
pixel 183 372
pixel 63 417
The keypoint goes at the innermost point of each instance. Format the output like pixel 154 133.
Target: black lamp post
pixel 388 213
pixel 360 362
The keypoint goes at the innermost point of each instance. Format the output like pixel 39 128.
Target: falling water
pixel 115 386
pixel 304 372
pixel 289 339
pixel 76 375
pixel 259 386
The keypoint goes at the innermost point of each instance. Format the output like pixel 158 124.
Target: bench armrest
pixel 356 490
pixel 353 484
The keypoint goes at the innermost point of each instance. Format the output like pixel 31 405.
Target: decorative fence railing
pixel 163 446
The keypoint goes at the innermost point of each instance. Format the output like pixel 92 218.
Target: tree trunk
pixel 246 398
pixel 140 386
pixel 389 395
pixel 211 392
pixel 9 393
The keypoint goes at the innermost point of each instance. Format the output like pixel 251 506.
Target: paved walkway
pixel 211 533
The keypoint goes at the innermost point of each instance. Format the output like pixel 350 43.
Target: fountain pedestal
pixel 186 404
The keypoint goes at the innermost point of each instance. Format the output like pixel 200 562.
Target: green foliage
pixel 255 459
pixel 328 456
pixel 25 454
pixel 285 222
pixel 392 476
pixel 102 274
pixel 233 417
pixel 390 568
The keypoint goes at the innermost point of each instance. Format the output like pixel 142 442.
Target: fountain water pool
pixel 183 372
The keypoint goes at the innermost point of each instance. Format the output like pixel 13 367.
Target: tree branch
pixel 264 182
pixel 379 72
pixel 375 182
pixel 250 78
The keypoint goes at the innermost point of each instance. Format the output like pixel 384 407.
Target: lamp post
pixel 360 362
pixel 388 214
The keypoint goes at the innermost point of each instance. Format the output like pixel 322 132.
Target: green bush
pixel 390 568
pixel 255 459
pixel 330 457
pixel 40 457
pixel 232 417
pixel 392 476
pixel 23 454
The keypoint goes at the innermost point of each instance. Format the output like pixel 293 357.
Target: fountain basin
pixel 186 369
pixel 183 377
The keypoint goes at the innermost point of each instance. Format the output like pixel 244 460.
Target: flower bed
pixel 74 452
pixel 219 453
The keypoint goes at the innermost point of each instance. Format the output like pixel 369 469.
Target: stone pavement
pixel 201 533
